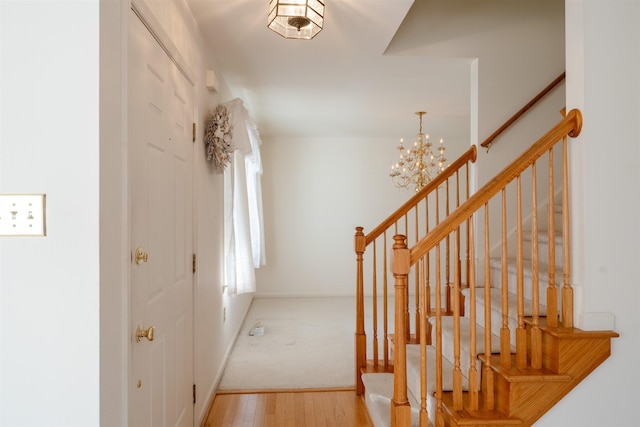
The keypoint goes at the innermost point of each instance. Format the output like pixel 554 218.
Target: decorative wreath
pixel 217 138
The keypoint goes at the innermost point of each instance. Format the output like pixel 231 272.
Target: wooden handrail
pixel 570 125
pixel 469 155
pixel 487 142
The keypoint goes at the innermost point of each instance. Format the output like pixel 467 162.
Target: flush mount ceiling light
pixel 296 19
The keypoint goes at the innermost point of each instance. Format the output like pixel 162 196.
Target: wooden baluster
pixel 418 278
pixel 385 308
pixel 375 305
pixel 458 259
pixel 468 258
pixel 400 265
pixel 536 333
pixel 427 271
pixel 424 370
pixel 447 259
pixel 505 334
pixel 437 207
pixel 360 336
pixel 521 334
pixel 423 286
pixel 487 373
pixel 406 224
pixel 438 335
pixel 567 291
pixel 552 292
pixel 473 348
pixel 437 210
pixel 457 372
pixel 407 331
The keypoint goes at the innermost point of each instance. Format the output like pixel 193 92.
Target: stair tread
pixel 543 268
pixel 573 333
pixel 372 368
pixel 496 303
pixel 465 328
pixel 516 375
pixel 543 236
pixel 413 371
pixel 481 417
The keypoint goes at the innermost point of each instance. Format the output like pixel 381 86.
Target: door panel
pixel 160 165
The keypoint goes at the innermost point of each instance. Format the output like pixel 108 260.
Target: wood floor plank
pixel 283 409
pixel 310 410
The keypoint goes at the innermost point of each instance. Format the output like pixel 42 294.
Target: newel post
pixel 400 265
pixel 360 336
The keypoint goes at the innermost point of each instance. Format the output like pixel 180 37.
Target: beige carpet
pixel 307 343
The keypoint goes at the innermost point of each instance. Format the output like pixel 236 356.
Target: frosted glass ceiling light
pixel 296 19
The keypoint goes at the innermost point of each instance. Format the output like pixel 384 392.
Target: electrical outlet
pixel 22 215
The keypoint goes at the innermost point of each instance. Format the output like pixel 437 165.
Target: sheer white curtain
pixel 243 223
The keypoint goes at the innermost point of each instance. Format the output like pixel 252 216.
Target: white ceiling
pixel 374 64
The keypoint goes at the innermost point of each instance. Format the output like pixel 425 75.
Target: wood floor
pixel 295 409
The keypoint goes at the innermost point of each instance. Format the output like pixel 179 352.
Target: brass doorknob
pixel 141 256
pixel 141 332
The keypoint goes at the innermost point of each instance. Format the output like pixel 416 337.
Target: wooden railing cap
pixel 360 240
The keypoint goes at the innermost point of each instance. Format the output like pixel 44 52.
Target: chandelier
pixel 420 164
pixel 296 19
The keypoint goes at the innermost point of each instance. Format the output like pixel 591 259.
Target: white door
pixel 160 175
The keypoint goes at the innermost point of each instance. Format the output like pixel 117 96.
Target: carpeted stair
pixel 379 387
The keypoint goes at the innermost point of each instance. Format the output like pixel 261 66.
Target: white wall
pixel 603 80
pixel 63 297
pixel 516 58
pixel 49 286
pixel 508 146
pixel 316 191
pixel 218 316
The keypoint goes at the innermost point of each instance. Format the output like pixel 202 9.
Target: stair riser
pixel 543 284
pixel 543 252
pixel 575 357
pixel 496 311
pixel 511 398
pixel 378 396
pixel 465 359
pixel 496 321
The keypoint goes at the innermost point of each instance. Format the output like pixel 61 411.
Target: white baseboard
pixel 301 295
pixel 596 321
pixel 316 295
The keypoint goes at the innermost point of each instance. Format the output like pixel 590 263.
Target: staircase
pixel 492 341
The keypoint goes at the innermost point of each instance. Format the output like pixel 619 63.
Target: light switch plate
pixel 22 215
